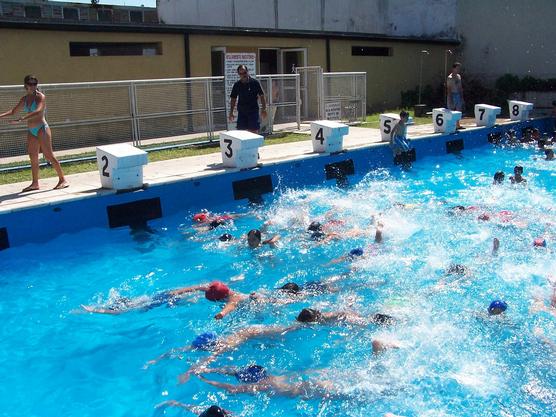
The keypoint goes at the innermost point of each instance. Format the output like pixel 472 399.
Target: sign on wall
pixel 333 111
pixel 231 62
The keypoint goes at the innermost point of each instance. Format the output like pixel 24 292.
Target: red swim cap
pixel 539 242
pixel 200 217
pixel 217 291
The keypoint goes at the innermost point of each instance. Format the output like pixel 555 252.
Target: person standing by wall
pixel 454 90
pixel 39 137
pixel 248 91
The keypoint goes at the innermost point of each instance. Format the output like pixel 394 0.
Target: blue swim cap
pixel 251 374
pixel 497 305
pixel 205 341
pixel 356 252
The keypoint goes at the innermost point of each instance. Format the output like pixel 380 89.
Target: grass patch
pixel 160 155
pixel 373 120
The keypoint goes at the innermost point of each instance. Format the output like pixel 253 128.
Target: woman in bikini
pixel 39 136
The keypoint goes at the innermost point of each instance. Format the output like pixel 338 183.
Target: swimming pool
pixel 453 359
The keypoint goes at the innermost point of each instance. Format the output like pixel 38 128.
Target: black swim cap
pixel 290 287
pixel 382 319
pixel 314 227
pixel 214 411
pixel 225 237
pixel 309 315
pixel 457 269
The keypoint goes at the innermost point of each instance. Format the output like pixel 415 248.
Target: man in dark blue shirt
pixel 248 90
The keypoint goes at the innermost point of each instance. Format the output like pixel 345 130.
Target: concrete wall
pixel 52 63
pixel 388 76
pixel 431 18
pixel 501 36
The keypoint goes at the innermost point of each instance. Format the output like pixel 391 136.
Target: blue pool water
pixel 453 359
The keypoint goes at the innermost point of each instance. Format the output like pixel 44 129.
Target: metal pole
pixel 208 100
pixel 298 100
pixel 423 52
pixel 135 131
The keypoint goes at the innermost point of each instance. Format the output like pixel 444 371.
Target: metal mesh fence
pixel 83 115
pixel 350 91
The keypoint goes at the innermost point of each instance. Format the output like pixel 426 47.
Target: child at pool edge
pixel 398 138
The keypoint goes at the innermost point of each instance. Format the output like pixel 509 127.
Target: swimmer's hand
pixel 149 363
pixel 219 316
pixel 183 378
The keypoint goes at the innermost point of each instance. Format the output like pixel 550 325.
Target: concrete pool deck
pixel 87 184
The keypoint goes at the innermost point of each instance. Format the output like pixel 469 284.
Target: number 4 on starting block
pixel 328 136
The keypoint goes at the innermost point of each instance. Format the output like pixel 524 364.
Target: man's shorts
pixel 457 102
pixel 248 121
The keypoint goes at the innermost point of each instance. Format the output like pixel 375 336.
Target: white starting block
pixel 240 148
pixel 328 136
pixel 445 120
pixel 485 114
pixel 519 110
pixel 121 166
pixel 387 123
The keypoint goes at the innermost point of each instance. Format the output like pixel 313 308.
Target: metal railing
pixel 85 115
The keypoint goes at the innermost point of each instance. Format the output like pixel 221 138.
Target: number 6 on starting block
pixel 328 136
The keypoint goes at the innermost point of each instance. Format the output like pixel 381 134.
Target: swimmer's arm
pixel 272 241
pixel 174 403
pixel 230 306
pixel 225 370
pixel 15 110
pixel 232 389
pixel 185 290
pixel 98 310
pixel 166 355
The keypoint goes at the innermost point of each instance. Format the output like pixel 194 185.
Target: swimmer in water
pixel 517 178
pixel 231 342
pixel 312 316
pixel 255 378
pixel 549 153
pixel 498 177
pixel 497 307
pixel 254 239
pixel 215 291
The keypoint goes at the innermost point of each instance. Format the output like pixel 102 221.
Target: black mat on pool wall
pixel 252 188
pixel 405 157
pixel 453 146
pixel 339 170
pixel 4 242
pixel 134 213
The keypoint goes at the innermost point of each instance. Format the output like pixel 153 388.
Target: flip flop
pixel 61 186
pixel 30 188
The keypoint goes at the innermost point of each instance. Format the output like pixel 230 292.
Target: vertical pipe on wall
pixel 328 65
pixel 187 55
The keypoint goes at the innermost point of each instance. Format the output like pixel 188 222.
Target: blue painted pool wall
pixel 43 223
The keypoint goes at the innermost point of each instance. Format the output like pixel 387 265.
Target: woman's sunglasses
pixel 31 84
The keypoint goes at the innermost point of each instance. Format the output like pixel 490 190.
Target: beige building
pixel 61 50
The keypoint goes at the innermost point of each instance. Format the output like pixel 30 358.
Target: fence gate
pixel 311 91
